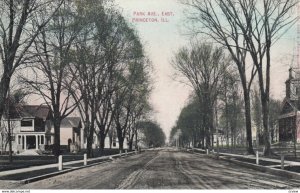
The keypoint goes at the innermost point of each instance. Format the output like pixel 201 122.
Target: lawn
pixel 23 161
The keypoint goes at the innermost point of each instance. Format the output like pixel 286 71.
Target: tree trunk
pixel 89 146
pixel 90 141
pixel 4 87
pixel 102 139
pixel 120 136
pixel 102 142
pixel 136 140
pixel 265 110
pixel 232 138
pixel 110 141
pixel 10 142
pixel 56 146
pixel 248 121
pixel 130 145
pixel 131 142
pixel 121 143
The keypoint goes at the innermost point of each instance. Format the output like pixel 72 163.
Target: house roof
pixel 289 108
pixel 289 105
pixel 71 122
pixel 32 111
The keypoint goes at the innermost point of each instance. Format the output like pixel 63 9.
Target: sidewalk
pixel 35 173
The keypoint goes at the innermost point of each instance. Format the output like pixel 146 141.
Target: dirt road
pixel 164 169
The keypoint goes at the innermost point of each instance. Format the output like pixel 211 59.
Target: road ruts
pixel 180 170
pixel 131 180
pixel 165 169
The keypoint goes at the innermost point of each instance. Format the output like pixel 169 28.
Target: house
pixel 111 141
pixel 28 125
pixel 32 129
pixel 70 133
pixel 289 119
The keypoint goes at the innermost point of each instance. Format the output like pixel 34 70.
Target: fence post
pixel 60 163
pixel 282 161
pixel 257 158
pixel 207 152
pixel 126 152
pixel 135 151
pixel 84 159
pixel 120 152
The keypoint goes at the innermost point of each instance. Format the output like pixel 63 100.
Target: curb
pixel 274 171
pixel 45 176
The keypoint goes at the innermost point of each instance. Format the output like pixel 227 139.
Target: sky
pixel 162 39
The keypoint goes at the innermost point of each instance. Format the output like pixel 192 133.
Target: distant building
pixel 111 140
pixel 289 119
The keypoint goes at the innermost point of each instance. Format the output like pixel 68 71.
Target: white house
pixel 28 125
pixel 32 129
pixel 111 141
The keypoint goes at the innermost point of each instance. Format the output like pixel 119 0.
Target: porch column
pixel 36 142
pixel 25 143
pixel 39 141
pixel 21 140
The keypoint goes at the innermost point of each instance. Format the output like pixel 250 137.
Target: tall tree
pixel 153 135
pixel 13 106
pixel 53 47
pixel 247 27
pixel 231 108
pixel 203 66
pixel 257 116
pixel 190 123
pixel 274 108
pixel 20 23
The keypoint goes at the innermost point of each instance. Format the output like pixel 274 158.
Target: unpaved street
pixel 164 169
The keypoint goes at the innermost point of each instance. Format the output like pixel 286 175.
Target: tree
pixel 20 23
pixel 106 53
pixel 203 66
pixel 98 55
pixel 126 52
pixel 190 123
pixel 131 98
pixel 257 115
pixel 53 47
pixel 275 110
pixel 13 106
pixel 247 28
pixel 231 107
pixel 153 134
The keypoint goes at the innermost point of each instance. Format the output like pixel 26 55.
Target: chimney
pixel 290 73
pixel 288 85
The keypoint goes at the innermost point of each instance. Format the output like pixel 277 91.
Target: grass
pixel 24 161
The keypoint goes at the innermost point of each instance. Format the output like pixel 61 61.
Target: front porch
pixel 30 142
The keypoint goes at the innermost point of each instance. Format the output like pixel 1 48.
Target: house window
pixel 114 144
pixel 26 123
